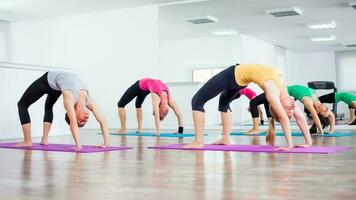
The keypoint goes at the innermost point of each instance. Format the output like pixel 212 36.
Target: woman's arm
pixel 273 95
pixel 331 118
pixel 308 103
pixel 177 112
pixel 68 101
pixel 155 105
pixel 94 108
pixel 303 126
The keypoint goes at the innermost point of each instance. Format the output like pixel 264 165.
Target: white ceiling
pixel 248 17
pixel 20 10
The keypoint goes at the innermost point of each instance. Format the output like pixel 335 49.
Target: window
pixel 203 75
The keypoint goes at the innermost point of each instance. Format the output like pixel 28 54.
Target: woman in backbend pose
pixel 76 100
pixel 161 100
pixel 345 97
pixel 311 102
pixel 256 113
pixel 250 94
pixel 235 78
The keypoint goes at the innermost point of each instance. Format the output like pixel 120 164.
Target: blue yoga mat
pixel 147 134
pixel 294 134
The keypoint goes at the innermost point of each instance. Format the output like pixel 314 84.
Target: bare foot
pixel 44 142
pixel 24 144
pixel 139 131
pixel 253 132
pixel 193 145
pixel 222 141
pixel 76 148
pixel 284 148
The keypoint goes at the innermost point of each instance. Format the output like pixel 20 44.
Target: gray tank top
pixel 59 80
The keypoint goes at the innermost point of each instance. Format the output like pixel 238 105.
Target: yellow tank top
pixel 253 73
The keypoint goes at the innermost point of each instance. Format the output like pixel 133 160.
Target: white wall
pixel 4 41
pixel 110 50
pixel 179 57
pixel 346 70
pixel 305 67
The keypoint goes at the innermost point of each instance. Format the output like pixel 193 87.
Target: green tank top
pixel 345 97
pixel 300 91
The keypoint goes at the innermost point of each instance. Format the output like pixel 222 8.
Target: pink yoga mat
pixel 257 148
pixel 62 148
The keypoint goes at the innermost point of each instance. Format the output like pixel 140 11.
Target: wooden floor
pixel 142 173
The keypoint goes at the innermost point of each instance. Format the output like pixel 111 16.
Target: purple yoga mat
pixel 62 148
pixel 257 148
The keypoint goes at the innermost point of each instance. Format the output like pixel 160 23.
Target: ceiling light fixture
pixel 284 12
pixel 322 25
pixel 225 32
pixel 181 2
pixel 203 19
pixel 323 38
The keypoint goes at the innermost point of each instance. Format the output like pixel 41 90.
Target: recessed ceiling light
pixel 203 19
pixel 181 2
pixel 322 25
pixel 225 32
pixel 323 38
pixel 284 12
pixel 352 4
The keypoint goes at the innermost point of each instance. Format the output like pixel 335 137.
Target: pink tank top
pixel 250 94
pixel 153 85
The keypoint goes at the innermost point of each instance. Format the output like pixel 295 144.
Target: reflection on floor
pixel 153 174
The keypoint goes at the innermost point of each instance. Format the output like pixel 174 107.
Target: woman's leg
pixel 48 116
pixel 260 113
pixel 254 103
pixel 126 98
pixel 226 97
pixel 138 104
pixel 34 92
pixel 328 98
pixel 209 90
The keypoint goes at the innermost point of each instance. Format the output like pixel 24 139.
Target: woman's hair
pixel 68 120
pixel 273 114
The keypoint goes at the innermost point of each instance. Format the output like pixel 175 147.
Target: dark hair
pixel 68 120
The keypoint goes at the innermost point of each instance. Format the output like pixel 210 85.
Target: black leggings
pixel 132 92
pixel 224 83
pixel 328 98
pixel 255 102
pixel 34 92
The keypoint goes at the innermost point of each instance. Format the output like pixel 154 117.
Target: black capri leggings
pixel 34 92
pixel 224 83
pixel 330 98
pixel 132 92
pixel 255 102
pixel 327 98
